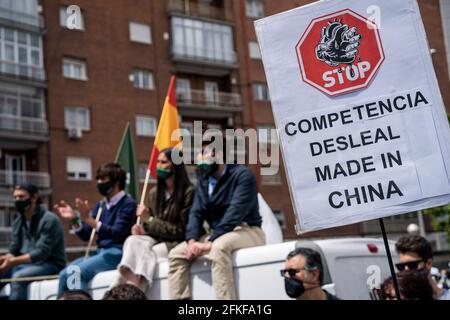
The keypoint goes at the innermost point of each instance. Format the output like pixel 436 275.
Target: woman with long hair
pixel 164 213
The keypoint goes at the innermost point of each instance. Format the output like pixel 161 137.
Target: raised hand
pixel 338 44
pixel 84 208
pixel 65 210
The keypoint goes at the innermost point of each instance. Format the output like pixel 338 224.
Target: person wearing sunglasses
pixel 303 276
pixel 415 253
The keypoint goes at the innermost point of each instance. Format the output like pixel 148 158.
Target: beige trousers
pixel 220 255
pixel 140 256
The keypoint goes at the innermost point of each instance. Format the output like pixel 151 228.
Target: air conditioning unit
pixel 74 133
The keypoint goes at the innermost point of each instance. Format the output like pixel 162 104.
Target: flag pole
pixel 144 192
pixel 163 139
pixel 91 239
pixel 389 256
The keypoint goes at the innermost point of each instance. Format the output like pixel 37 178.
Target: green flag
pixel 127 159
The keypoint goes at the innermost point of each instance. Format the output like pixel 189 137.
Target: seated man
pixel 415 252
pixel 37 244
pixel 303 276
pixel 117 218
pixel 226 198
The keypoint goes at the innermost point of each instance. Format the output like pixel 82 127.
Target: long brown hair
pixel 181 183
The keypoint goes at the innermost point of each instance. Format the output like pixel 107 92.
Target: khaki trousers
pixel 220 255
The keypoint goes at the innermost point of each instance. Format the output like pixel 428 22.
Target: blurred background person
pixel 303 276
pixel 37 244
pixel 413 285
pixel 124 292
pixel 415 252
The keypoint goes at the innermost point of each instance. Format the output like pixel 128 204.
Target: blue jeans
pixel 19 290
pixel 78 274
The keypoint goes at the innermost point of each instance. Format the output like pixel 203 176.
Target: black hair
pixel 181 183
pixel 413 285
pixel 31 189
pixel 416 244
pixel 114 172
pixel 312 258
pixel 124 292
pixel 74 295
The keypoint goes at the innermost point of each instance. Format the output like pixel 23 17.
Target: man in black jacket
pixel 226 198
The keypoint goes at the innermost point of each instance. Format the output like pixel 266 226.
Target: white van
pixel 350 265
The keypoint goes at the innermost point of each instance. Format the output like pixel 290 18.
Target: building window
pixel 143 79
pixel 77 117
pixel 13 104
pixel 261 92
pixel 253 47
pixel 202 40
pixel 146 126
pixel 73 20
pixel 21 53
pixel 74 69
pixel 183 90
pixel 79 168
pixel 254 8
pixel 140 32
pixel 211 92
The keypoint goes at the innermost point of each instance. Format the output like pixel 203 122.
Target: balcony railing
pixel 196 9
pixel 23 126
pixel 203 55
pixel 11 178
pixel 24 18
pixel 22 71
pixel 202 98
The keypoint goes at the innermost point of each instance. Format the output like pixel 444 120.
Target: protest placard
pixel 362 124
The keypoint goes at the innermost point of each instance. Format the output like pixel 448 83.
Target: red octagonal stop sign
pixel 340 52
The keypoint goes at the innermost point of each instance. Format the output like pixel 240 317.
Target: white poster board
pixel 361 121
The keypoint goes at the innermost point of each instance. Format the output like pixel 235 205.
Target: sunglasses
pixel 291 272
pixel 412 265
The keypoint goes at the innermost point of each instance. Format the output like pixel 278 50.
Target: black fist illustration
pixel 338 44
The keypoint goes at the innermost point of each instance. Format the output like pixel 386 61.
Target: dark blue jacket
pixel 234 201
pixel 116 223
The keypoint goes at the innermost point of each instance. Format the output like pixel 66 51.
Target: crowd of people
pixel 174 217
pixel 180 223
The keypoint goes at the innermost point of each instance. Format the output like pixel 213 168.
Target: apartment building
pixel 24 133
pixel 109 63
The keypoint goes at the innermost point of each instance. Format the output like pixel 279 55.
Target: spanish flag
pixel 168 123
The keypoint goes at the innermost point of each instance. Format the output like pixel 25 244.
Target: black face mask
pixel 22 205
pixel 294 287
pixel 105 188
